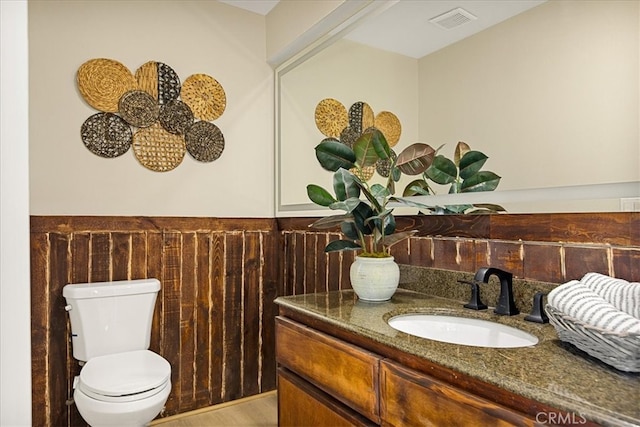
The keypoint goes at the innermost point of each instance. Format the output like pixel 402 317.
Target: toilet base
pixel 137 413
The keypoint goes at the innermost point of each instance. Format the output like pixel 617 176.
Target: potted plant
pixel 367 221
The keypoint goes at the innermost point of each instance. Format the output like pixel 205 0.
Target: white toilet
pixel 122 383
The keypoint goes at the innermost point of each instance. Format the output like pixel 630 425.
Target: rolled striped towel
pixel 578 301
pixel 622 294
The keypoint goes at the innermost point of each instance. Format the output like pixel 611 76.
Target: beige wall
pixel 343 71
pixel 550 95
pixel 207 37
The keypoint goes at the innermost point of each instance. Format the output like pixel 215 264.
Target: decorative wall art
pixel 337 123
pixel 151 111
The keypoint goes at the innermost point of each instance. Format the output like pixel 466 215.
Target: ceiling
pixel 405 27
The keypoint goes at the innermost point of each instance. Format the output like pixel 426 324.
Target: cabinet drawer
pixel 412 398
pixel 301 404
pixel 346 372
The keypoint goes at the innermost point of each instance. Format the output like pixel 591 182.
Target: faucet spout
pixel 506 304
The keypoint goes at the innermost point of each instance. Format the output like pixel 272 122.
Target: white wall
pixel 15 319
pixel 192 37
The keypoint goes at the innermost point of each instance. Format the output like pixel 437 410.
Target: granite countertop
pixel 551 372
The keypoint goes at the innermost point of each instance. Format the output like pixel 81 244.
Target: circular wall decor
pixel 364 173
pixel 205 96
pixel 383 166
pixel 157 149
pixel 331 117
pixel 106 135
pixel 159 80
pixel 102 82
pixel 360 116
pixel 389 125
pixel 349 136
pixel 138 108
pixel 176 117
pixel 205 141
pixel 147 77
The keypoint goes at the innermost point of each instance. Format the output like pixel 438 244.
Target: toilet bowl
pixel 123 389
pixel 121 382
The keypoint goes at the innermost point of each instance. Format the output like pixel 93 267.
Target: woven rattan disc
pixel 205 141
pixel 157 149
pixel 138 108
pixel 331 117
pixel 168 84
pixel 102 82
pixel 205 96
pixel 360 116
pixel 349 136
pixel 176 117
pixel 106 135
pixel 383 166
pixel 147 77
pixel 365 173
pixel 389 125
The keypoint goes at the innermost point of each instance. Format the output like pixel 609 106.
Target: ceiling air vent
pixel 452 19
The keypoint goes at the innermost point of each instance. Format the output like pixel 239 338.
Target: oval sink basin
pixel 462 330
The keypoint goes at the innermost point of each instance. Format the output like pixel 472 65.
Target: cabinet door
pixel 344 371
pixel 410 398
pixel 301 404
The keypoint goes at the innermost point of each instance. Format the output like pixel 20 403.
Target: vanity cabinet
pixel 327 381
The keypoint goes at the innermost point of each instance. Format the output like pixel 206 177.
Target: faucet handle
pixel 474 303
pixel 537 312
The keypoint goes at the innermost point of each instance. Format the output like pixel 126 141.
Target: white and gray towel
pixel 592 302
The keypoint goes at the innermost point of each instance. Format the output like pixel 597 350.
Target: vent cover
pixel 452 19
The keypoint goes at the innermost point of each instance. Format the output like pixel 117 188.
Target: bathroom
pixel 94 220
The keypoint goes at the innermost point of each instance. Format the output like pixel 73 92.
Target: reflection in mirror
pixel 551 95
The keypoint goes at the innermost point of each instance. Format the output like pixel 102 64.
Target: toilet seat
pixel 124 377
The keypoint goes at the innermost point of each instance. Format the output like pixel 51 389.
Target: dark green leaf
pixel 342 245
pixel 333 155
pixel 360 216
pixel 331 221
pixel 370 147
pixel 349 230
pixel 344 185
pixel 482 181
pixel 471 163
pixel 345 205
pixel 319 195
pixel 442 170
pixel 417 187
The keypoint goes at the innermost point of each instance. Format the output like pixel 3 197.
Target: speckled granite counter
pixel 551 372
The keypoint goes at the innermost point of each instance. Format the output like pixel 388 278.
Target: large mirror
pixel 548 90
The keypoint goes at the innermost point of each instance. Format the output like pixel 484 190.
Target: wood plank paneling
pixel 214 314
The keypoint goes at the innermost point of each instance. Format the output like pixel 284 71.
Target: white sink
pixel 462 330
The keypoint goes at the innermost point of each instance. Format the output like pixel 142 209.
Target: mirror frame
pixel 329 33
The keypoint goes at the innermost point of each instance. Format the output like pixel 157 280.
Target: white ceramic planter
pixel 374 279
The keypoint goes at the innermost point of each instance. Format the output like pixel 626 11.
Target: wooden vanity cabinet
pixel 325 381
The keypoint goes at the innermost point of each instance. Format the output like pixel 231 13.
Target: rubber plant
pixel 463 174
pixel 367 223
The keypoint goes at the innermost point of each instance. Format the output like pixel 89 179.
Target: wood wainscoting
pixel 214 318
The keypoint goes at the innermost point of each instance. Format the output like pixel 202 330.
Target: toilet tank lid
pixel 106 289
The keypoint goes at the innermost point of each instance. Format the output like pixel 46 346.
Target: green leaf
pixel 360 215
pixel 331 221
pixel 471 163
pixel 370 147
pixel 345 205
pixel 487 207
pixel 342 245
pixel 344 184
pixel 333 155
pixel 397 237
pixel 350 230
pixel 442 170
pixel 482 181
pixel 411 203
pixel 417 187
pixel 415 159
pixel 319 195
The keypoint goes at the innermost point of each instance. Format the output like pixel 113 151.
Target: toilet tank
pixel 110 317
